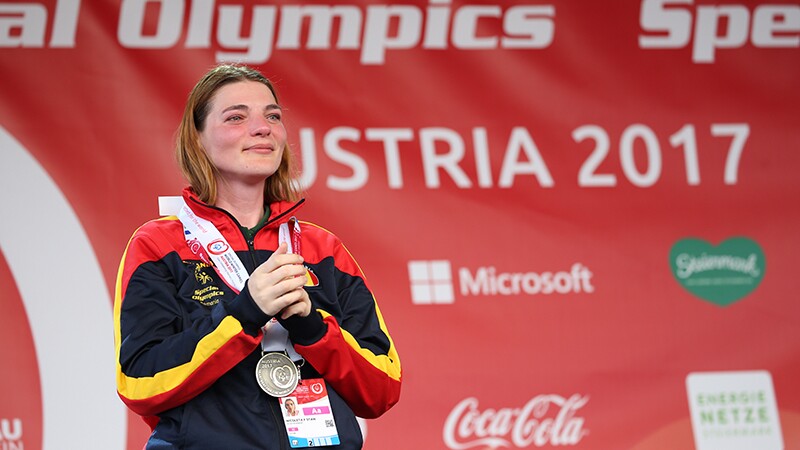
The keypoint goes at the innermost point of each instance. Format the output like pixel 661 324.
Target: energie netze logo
pixel 432 281
pixel 734 410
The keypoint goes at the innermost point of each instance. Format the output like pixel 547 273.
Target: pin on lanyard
pixel 205 241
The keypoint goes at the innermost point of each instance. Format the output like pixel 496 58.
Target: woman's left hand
pixel 301 308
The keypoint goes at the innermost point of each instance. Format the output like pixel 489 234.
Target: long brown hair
pixel 192 158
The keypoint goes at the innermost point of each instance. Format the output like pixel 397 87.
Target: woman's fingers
pixel 272 283
pixel 301 307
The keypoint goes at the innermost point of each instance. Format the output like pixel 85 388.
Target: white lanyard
pixel 205 241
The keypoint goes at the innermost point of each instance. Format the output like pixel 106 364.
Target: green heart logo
pixel 722 274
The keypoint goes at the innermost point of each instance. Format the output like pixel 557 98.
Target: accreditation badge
pixel 307 415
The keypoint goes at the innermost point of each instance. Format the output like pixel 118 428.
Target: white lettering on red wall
pixel 445 154
pixel 544 420
pixel 373 30
pixel 668 24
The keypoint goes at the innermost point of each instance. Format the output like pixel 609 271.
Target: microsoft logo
pixel 431 282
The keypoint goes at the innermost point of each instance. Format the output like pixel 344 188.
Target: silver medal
pixel 277 374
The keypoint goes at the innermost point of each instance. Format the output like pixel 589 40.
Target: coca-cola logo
pixel 544 420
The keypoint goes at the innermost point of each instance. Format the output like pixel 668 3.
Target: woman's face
pixel 244 134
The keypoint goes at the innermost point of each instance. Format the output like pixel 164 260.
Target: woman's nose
pixel 261 127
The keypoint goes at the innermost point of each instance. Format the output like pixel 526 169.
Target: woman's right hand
pixel 277 284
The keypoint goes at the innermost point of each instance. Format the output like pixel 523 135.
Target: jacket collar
pixel 223 220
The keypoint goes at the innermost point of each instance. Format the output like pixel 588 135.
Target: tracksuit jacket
pixel 187 345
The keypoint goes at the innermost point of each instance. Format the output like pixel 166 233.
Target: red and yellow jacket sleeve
pixel 166 352
pixel 346 340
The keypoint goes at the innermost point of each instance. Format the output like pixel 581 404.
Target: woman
pixel 200 344
pixel 291 408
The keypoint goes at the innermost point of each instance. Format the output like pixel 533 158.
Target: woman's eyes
pixel 271 117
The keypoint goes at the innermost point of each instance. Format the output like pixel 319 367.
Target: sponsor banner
pixel 721 274
pixel 545 420
pixel 432 282
pixel 734 411
pixel 563 207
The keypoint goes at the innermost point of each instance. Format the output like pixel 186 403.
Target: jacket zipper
pixel 283 435
pixel 251 242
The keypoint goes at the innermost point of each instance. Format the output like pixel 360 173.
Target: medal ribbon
pixel 291 236
pixel 274 333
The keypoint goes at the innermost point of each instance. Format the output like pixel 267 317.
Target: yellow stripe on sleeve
pixel 146 387
pixel 389 363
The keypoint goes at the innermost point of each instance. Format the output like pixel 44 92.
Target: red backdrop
pixel 518 179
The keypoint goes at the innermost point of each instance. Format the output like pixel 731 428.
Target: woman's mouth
pixel 261 148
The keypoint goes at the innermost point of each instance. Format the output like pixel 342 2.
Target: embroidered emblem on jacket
pixel 201 276
pixel 208 294
pixel 311 277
